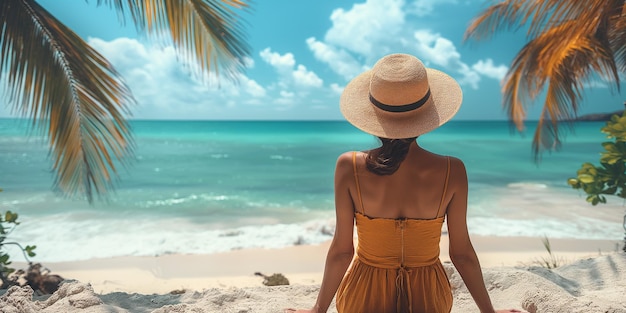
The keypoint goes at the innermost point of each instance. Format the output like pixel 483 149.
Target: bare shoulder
pixel 345 159
pixel 458 173
pixel 456 164
pixel 344 163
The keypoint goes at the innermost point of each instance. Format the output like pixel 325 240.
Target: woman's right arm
pixel 462 252
pixel 341 249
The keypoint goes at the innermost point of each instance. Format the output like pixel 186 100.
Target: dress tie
pixel 403 286
pixel 403 290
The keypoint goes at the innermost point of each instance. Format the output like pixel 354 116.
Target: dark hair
pixel 386 159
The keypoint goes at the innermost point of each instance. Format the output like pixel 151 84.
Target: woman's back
pixel 415 190
pixel 397 267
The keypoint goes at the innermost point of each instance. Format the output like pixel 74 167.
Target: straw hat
pixel 400 98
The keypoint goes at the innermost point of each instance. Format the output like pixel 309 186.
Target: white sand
pixel 225 282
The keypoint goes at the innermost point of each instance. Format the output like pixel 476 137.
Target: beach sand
pixel 591 278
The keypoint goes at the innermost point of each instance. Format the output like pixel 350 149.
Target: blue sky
pixel 304 53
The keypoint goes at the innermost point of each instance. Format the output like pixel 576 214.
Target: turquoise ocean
pixel 201 187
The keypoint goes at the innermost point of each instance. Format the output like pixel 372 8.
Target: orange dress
pixel 397 266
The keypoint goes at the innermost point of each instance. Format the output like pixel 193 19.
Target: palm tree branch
pixel 616 33
pixel 617 38
pixel 79 95
pixel 512 15
pixel 515 97
pixel 208 33
pixel 503 15
pixel 609 22
pixel 540 15
pixel 569 42
pixel 564 65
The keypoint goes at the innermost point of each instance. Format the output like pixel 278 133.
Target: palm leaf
pixel 569 42
pixel 511 15
pixel 503 15
pixel 564 66
pixel 540 15
pixel 617 37
pixel 54 77
pixel 72 94
pixel 207 33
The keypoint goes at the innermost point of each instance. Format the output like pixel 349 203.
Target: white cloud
pixel 488 69
pixel 282 62
pixel 253 88
pixel 286 94
pixel 595 84
pixel 248 62
pixel 425 7
pixel 290 74
pixel 336 88
pixel 363 33
pixel 306 78
pixel 165 88
pixel 286 98
pixel 442 52
pixel 339 60
pixel 365 26
pixel 468 76
pixel 436 49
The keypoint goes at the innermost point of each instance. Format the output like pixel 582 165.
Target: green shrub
pixel 8 222
pixel 609 178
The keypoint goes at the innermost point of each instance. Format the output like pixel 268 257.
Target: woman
pixel 399 195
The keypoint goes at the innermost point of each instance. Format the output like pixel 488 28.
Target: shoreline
pixel 591 279
pixel 302 265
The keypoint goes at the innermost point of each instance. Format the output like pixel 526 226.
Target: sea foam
pixel 75 236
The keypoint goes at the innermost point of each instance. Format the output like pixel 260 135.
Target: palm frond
pixel 70 92
pixel 207 33
pixel 513 14
pixel 568 42
pixel 539 15
pixel 564 65
pixel 618 42
pixel 617 36
pixel 121 6
pixel 515 97
pixel 505 15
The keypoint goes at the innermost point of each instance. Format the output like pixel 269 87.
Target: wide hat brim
pixel 444 102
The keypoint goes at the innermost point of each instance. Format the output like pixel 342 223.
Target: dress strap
pixel 445 187
pixel 356 179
